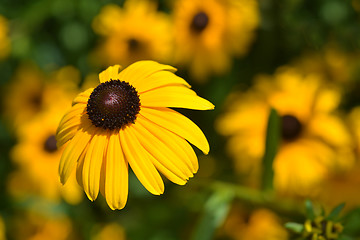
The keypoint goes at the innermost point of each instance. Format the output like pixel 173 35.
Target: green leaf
pixel 335 212
pixel 295 227
pixel 271 147
pixel 344 237
pixel 215 212
pixel 310 214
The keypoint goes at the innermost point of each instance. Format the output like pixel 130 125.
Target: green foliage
pixel 215 212
pixel 334 214
pixel 271 146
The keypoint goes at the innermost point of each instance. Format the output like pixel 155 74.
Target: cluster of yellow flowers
pixel 318 156
pixel 201 35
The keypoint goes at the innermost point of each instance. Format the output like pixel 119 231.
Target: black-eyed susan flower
pixel 36 158
pixel 32 224
pixel 32 91
pixel 5 44
pixel 338 65
pixel 2 228
pixel 125 121
pixel 258 224
pixel 109 231
pixel 346 183
pixel 315 140
pixel 209 33
pixel 133 32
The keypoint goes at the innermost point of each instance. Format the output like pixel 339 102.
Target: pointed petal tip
pixel 90 197
pixel 211 106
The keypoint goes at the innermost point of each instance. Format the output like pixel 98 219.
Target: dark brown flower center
pixel 290 128
pixel 199 22
pixel 36 100
pixel 133 45
pixel 50 144
pixel 113 105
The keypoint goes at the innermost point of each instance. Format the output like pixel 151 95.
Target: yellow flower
pixel 2 229
pixel 135 32
pixel 354 122
pixel 208 33
pixel 260 224
pixel 5 44
pixel 126 120
pixel 345 185
pixel 32 91
pixel 339 66
pixel 315 141
pixel 37 159
pixel 110 231
pixel 31 225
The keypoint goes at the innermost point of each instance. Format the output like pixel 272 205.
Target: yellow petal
pixel 72 153
pixel 136 73
pixel 330 129
pixel 111 73
pixel 74 113
pixel 80 166
pixel 160 79
pixel 140 163
pixel 83 97
pixel 116 174
pixel 165 160
pixel 92 164
pixel 69 126
pixel 179 124
pixel 178 145
pixel 68 132
pixel 174 96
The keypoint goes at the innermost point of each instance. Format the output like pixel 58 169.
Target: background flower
pixel 5 44
pixel 207 34
pixel 134 32
pixel 37 158
pixel 314 140
pixel 259 224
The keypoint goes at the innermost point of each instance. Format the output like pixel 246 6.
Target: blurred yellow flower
pixel 315 141
pixel 337 65
pixel 31 225
pixel 260 224
pixel 126 120
pixel 354 122
pixel 32 91
pixel 135 32
pixel 208 33
pixel 5 45
pixel 2 229
pixel 37 160
pixel 110 231
pixel 346 184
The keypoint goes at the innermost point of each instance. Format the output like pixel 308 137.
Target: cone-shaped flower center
pixel 50 144
pixel 113 105
pixel 290 128
pixel 199 22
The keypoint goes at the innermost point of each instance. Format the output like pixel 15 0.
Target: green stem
pixel 266 199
